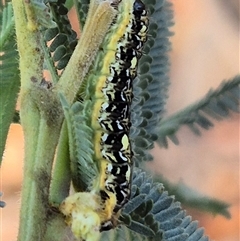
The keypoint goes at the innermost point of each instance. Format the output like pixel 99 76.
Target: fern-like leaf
pixel 63 37
pixel 7 23
pixel 151 214
pixel 150 87
pixel 82 9
pixel 217 104
pixel 83 167
pixel 9 73
pixel 193 199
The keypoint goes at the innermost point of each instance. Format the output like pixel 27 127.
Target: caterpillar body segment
pixel 120 154
pixel 112 117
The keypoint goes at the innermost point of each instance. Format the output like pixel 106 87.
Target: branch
pixel 217 104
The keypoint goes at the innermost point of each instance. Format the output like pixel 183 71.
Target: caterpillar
pixel 111 109
pixel 107 107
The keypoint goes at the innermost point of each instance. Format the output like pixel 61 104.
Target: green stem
pixel 40 137
pixel 57 229
pixel 61 176
pixel 28 185
pixel 35 205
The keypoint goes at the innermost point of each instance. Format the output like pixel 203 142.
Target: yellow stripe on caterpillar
pixel 123 20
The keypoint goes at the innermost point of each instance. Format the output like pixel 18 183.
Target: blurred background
pixel 205 51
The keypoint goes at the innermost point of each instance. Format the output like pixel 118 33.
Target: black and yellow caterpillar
pixel 111 104
pixel 107 107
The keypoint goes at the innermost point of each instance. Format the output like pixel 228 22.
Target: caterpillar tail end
pixel 81 212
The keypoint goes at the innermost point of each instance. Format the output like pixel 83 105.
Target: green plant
pixel 49 129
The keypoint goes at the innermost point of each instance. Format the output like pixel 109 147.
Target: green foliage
pixel 193 199
pixel 64 38
pixel 82 9
pixel 9 73
pixel 151 214
pixel 83 168
pixel 7 23
pixel 149 88
pixel 217 104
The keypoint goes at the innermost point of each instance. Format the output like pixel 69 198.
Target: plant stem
pixel 28 185
pixel 35 207
pixel 61 176
pixel 57 230
pixel 40 137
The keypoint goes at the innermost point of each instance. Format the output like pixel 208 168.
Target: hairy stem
pixel 40 138
pixel 60 184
